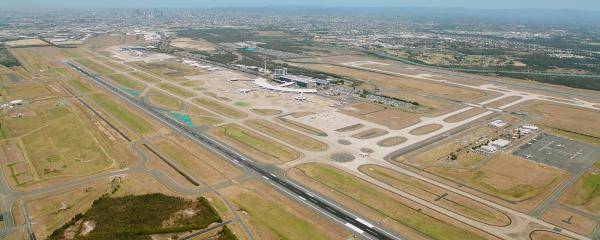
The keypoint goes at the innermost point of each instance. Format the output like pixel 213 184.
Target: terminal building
pixel 281 76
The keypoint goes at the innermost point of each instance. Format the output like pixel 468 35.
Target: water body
pixel 184 118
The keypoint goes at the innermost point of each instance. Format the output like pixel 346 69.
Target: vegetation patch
pixel 138 217
pixel 257 143
pixel 127 82
pixel 176 90
pixel 220 108
pixel 376 199
pixel 121 113
pixel 289 136
pixel 164 101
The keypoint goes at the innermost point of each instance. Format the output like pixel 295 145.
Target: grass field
pixel 42 114
pixel 172 88
pixel 289 136
pixel 507 177
pixel 273 216
pixel 94 66
pixel 164 101
pixel 384 203
pixel 266 112
pixel 302 127
pixel 370 133
pixel 585 193
pixel 64 148
pixel 124 115
pixel 274 152
pixel 391 141
pixel 220 108
pixel 566 118
pixel 197 163
pixel 454 202
pixel 127 82
pixel 144 77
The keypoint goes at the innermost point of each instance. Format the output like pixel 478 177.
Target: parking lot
pixel 559 152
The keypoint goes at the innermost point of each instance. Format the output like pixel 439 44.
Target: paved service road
pixel 352 222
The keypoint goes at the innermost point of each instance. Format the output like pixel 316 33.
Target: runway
pixel 352 222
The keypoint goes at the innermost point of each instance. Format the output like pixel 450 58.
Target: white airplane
pixel 528 156
pixel 300 97
pixel 560 145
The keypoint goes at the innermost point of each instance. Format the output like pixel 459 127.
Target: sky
pixel 480 4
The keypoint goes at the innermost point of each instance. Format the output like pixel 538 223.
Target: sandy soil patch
pixel 425 129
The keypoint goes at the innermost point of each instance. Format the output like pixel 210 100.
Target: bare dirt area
pixel 425 129
pixel 365 108
pixel 565 117
pixel 465 115
pixel 523 183
pixel 265 209
pixel 454 202
pixel 569 220
pixel 193 44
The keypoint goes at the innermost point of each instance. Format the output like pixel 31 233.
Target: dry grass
pixel 579 224
pixel 454 202
pixel 254 145
pixel 164 101
pixel 392 141
pixel 508 177
pixel 425 129
pixel 465 115
pixel 265 209
pixel 370 133
pixel 359 195
pixel 266 112
pixel 566 118
pixel 289 136
pixel 193 44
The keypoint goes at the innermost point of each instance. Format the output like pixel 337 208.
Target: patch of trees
pixel 7 59
pixel 223 58
pixel 137 217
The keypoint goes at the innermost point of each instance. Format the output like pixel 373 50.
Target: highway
pixel 355 223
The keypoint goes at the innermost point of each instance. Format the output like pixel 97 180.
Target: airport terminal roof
pixel 263 83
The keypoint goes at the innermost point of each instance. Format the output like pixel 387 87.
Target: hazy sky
pixel 555 4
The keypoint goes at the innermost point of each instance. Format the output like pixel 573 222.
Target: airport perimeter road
pixel 350 221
